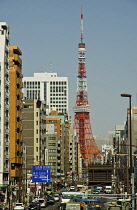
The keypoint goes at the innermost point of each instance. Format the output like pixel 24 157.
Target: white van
pixel 108 189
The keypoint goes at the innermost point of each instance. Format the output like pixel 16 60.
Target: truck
pixel 108 189
pixel 74 206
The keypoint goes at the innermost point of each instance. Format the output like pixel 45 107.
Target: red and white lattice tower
pixel 88 147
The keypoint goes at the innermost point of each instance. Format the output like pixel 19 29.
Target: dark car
pixel 96 191
pixel 62 206
pixel 50 200
pixel 35 206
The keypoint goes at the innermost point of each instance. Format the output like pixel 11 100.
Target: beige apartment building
pixel 61 144
pixel 34 133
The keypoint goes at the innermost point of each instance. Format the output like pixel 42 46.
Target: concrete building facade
pixel 48 87
pixel 73 154
pixel 4 103
pixel 52 152
pixel 34 132
pixel 60 123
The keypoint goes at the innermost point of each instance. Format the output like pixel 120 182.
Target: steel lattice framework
pixel 88 147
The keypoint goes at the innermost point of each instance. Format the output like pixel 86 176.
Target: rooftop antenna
pixel 81 26
pixel 41 69
pixel 50 66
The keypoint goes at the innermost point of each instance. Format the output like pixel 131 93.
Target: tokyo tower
pixel 88 148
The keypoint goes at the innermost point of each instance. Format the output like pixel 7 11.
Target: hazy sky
pixel 49 31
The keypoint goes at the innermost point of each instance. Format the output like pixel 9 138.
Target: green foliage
pixel 48 194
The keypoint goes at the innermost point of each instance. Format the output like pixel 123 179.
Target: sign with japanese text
pixel 41 173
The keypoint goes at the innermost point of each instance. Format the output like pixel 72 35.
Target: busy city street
pixel 80 197
pixel 68 105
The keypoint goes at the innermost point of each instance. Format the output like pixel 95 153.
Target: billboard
pixel 41 173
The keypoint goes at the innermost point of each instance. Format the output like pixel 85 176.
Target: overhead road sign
pixel 41 173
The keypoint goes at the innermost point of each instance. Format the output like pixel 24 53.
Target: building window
pixel 52 144
pixel 52 157
pixel 28 106
pixel 52 150
pixel 52 121
pixel 52 164
pixel 52 138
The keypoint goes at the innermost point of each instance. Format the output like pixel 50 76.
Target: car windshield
pixel 33 204
pixel 56 195
pixel 63 205
pixel 49 189
pixel 41 201
pixel 19 204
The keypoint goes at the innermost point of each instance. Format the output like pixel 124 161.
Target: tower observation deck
pixel 88 148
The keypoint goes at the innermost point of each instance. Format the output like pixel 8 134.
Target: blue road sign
pixel 41 173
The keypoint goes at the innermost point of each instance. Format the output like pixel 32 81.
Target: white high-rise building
pixel 4 104
pixel 50 88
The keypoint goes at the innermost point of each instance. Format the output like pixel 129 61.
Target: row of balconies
pixel 19 96
pixel 16 173
pixel 18 88
pixel 15 59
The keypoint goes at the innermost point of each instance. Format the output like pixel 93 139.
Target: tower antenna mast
pixel 81 25
pixel 90 152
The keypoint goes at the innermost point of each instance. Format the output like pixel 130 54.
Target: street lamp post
pixel 130 129
pixel 131 163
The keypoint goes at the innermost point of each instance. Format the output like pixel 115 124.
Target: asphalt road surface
pixel 52 207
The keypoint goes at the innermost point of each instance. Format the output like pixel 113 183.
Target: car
pixel 99 188
pixel 19 206
pixel 56 197
pixel 50 200
pixel 34 206
pixel 72 188
pixel 35 198
pixel 42 202
pixel 62 206
pixel 60 185
pixel 96 191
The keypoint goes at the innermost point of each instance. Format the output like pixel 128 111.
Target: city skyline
pixel 49 32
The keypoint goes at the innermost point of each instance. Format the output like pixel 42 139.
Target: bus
pixel 71 196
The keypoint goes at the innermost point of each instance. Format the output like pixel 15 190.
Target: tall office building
pixel 34 132
pixel 61 143
pixel 4 104
pixel 48 87
pixel 34 137
pixel 16 140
